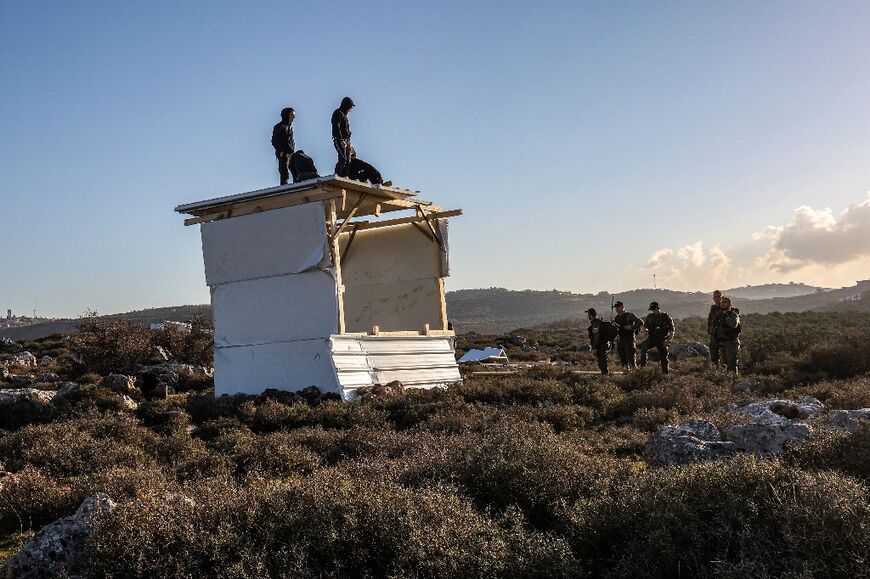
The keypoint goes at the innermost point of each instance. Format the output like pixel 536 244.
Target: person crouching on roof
pixel 359 170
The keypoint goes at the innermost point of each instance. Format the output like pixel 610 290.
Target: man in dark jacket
pixel 596 341
pixel 629 325
pixel 282 141
pixel 359 170
pixel 660 331
pixel 341 135
pixel 712 317
pixel 727 332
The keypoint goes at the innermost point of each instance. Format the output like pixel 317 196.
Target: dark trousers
pixel 342 147
pixel 284 168
pixel 601 357
pixel 627 350
pixel 361 171
pixel 714 351
pixel 662 350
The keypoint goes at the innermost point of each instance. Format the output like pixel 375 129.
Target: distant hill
pixel 773 290
pixel 69 326
pixel 496 310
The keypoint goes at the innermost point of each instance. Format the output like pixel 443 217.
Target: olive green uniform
pixel 658 326
pixel 598 344
pixel 727 332
pixel 629 324
pixel 712 321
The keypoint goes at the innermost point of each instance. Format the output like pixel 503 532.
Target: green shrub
pixel 842 358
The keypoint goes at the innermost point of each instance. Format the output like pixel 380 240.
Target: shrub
pixel 848 452
pixel 32 498
pixel 842 358
pixel 106 347
pixel 748 517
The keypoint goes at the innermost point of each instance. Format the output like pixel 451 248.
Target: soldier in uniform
pixel 715 312
pixel 727 332
pixel 596 341
pixel 282 141
pixel 341 136
pixel 629 325
pixel 660 331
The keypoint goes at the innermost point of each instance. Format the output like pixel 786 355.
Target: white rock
pixel 12 395
pixel 767 439
pixel 850 419
pixel 24 359
pixel 691 441
pixel 56 548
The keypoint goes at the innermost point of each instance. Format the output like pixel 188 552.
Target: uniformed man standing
pixel 712 317
pixel 341 136
pixel 597 341
pixel 282 140
pixel 660 331
pixel 629 325
pixel 727 331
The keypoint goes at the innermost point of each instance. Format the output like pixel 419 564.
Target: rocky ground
pixel 135 470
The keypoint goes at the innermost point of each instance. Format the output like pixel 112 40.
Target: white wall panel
pixel 276 242
pixel 285 366
pixel 399 253
pixel 396 306
pixel 275 309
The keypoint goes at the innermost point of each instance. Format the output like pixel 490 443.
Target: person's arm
pixel 276 139
pixel 732 319
pixel 671 330
pixel 637 324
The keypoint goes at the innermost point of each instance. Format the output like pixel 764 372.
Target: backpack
pixel 608 330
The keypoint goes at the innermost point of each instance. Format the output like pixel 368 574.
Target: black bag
pixel 608 331
pixel 302 167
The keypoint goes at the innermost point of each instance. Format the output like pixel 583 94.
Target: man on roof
pixel 282 141
pixel 341 135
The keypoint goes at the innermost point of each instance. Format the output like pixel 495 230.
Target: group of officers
pixel 295 163
pixel 723 330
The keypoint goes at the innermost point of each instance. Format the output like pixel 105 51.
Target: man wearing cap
pixel 341 135
pixel 629 325
pixel 660 331
pixel 712 321
pixel 596 341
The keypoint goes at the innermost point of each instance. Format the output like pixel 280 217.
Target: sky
pixel 590 144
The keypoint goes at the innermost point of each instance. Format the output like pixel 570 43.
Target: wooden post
pixel 336 261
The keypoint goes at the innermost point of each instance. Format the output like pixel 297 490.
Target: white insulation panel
pixel 416 361
pixel 377 256
pixel 275 309
pixel 393 306
pixel 276 242
pixel 285 366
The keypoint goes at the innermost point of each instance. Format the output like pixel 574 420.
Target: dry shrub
pixel 562 417
pixel 105 347
pixel 78 446
pixel 838 394
pixel 842 358
pixel 848 452
pixel 651 419
pixel 32 498
pixel 275 454
pixel 462 419
pixel 746 518
pixel 519 389
pixel 23 412
pixel 331 525
pixel 194 346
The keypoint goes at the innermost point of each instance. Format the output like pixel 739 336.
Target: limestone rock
pixel 13 395
pixel 121 384
pixel 689 442
pixel 781 411
pixel 158 355
pixel 24 359
pixel 767 440
pixel 46 360
pixel 48 377
pixel 852 420
pixel 56 548
pixel 690 350
pixel 66 390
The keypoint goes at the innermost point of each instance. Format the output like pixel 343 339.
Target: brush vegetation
pixel 538 474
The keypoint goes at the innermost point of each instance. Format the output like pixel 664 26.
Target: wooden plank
pixel 403 220
pixel 431 227
pixel 336 261
pixel 349 216
pixel 269 203
pixel 349 242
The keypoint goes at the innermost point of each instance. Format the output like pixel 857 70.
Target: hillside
pixel 494 310
pixel 772 290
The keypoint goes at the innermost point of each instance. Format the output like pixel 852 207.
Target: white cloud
pixel 689 266
pixel 818 237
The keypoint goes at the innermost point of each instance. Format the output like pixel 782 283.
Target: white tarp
pixel 285 366
pixel 485 355
pixel 276 242
pixel 275 309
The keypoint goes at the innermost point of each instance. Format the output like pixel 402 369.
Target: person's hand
pixel 280 153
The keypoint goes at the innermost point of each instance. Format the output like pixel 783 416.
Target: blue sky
pixel 590 144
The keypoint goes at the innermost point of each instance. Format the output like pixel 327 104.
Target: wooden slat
pixel 402 220
pixel 349 216
pixel 258 205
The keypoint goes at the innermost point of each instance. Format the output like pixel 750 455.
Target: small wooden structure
pixel 311 286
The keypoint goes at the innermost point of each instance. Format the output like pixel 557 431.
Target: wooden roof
pixel 353 199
